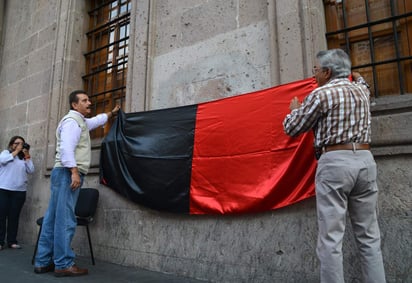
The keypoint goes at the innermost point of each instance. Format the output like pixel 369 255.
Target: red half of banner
pixel 243 161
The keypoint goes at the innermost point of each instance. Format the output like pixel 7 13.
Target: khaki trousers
pixel 346 182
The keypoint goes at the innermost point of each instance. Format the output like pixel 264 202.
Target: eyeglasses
pixel 315 70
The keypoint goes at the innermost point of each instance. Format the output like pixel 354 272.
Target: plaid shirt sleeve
pixel 304 118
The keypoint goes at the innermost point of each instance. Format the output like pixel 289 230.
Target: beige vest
pixel 83 149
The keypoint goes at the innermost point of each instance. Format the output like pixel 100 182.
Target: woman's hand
pixel 26 154
pixel 17 149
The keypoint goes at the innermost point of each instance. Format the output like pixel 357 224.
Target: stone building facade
pixel 184 52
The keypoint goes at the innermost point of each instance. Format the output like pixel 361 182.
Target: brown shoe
pixel 44 269
pixel 70 271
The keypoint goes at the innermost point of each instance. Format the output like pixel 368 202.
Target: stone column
pixel 297 32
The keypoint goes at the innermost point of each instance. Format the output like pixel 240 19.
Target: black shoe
pixel 44 269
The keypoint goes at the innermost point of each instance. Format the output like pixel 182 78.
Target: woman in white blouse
pixel 15 165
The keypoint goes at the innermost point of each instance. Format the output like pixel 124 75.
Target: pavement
pixel 16 267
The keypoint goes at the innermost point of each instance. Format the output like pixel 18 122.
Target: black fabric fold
pixel 147 157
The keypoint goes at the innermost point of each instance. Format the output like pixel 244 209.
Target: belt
pixel 346 146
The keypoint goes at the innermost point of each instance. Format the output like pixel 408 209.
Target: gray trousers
pixel 346 182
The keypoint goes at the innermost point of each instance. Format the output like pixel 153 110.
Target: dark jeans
pixel 11 203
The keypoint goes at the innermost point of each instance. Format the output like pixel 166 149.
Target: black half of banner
pixel 147 157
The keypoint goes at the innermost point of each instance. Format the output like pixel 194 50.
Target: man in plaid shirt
pixel 338 113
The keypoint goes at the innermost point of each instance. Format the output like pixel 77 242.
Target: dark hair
pixel 13 139
pixel 73 98
pixel 11 142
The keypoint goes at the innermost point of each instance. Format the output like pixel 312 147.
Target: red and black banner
pixel 225 156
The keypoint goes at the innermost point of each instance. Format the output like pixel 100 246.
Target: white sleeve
pixel 69 138
pixel 96 121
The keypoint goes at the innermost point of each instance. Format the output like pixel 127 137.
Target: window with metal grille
pixel 377 34
pixel 107 56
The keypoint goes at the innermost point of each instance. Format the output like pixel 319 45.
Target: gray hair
pixel 335 60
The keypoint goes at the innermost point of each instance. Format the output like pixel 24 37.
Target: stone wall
pixel 392 148
pixel 184 52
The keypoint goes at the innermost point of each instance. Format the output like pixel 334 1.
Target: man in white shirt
pixel 73 155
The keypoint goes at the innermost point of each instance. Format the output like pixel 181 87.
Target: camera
pixel 26 146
